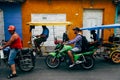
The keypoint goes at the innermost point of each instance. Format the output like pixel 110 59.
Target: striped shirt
pixel 77 41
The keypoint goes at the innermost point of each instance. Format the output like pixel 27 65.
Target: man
pixel 42 37
pixel 77 41
pixel 96 41
pixel 94 37
pixel 15 45
pixel 65 37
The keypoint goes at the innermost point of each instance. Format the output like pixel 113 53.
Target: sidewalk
pixel 47 49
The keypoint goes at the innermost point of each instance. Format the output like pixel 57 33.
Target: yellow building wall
pixel 70 8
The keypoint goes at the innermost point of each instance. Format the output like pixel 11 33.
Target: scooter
pixel 54 59
pixel 25 59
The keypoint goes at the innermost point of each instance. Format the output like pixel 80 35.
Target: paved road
pixel 102 71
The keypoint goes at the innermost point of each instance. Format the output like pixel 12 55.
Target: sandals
pixel 12 76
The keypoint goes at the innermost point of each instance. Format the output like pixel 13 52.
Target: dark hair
pixel 43 25
pixel 77 29
pixel 93 31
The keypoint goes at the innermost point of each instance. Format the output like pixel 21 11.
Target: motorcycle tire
pixel 27 64
pixel 115 57
pixel 89 63
pixel 52 63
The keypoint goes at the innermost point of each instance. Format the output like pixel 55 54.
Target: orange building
pixel 82 13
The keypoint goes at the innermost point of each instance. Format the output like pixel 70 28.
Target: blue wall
pixel 12 16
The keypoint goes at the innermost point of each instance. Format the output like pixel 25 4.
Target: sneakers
pixel 12 76
pixel 78 62
pixel 70 66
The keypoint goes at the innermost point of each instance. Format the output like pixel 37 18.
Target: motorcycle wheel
pixel 89 63
pixel 52 62
pixel 115 57
pixel 27 64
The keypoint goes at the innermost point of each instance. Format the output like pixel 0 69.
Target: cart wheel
pixel 115 57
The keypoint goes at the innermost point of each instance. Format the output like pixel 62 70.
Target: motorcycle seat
pixel 89 49
pixel 25 50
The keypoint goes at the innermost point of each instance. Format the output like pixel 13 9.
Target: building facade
pixel 117 17
pixel 82 13
pixel 10 14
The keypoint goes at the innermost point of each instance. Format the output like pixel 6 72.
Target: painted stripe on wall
pixel 12 16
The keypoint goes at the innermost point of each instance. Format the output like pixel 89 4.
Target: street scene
pixel 102 70
pixel 59 39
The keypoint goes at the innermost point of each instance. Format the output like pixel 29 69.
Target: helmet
pixel 11 28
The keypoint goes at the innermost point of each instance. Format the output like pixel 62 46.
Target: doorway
pixel 91 18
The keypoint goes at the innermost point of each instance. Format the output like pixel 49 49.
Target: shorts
pixel 38 41
pixel 12 56
pixel 76 50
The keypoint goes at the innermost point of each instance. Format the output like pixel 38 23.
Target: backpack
pixel 85 43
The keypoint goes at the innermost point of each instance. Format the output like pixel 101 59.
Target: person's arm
pixel 42 35
pixel 12 39
pixel 77 38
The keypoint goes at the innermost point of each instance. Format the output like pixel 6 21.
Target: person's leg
pixel 71 56
pixel 13 68
pixel 38 41
pixel 37 45
pixel 11 62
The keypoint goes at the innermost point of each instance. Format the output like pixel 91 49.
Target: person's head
pixel 43 26
pixel 92 32
pixel 11 29
pixel 76 30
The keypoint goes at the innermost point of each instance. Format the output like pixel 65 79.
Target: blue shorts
pixel 75 50
pixel 12 55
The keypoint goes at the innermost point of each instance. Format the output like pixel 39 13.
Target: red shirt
pixel 16 44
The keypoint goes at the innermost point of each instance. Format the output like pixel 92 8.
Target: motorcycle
pixel 25 59
pixel 54 59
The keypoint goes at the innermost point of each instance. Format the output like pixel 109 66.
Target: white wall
pixel 91 18
pixel 2 36
pixel 56 31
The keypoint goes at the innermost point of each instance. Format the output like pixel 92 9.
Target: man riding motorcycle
pixel 15 45
pixel 42 37
pixel 77 41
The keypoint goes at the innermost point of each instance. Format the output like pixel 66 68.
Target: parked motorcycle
pixel 25 59
pixel 54 59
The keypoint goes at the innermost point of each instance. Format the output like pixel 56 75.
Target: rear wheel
pixel 115 57
pixel 89 63
pixel 26 64
pixel 52 62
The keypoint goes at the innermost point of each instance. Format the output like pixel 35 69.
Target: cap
pixel 11 27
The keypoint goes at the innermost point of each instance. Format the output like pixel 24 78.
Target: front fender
pixel 114 52
pixel 52 54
